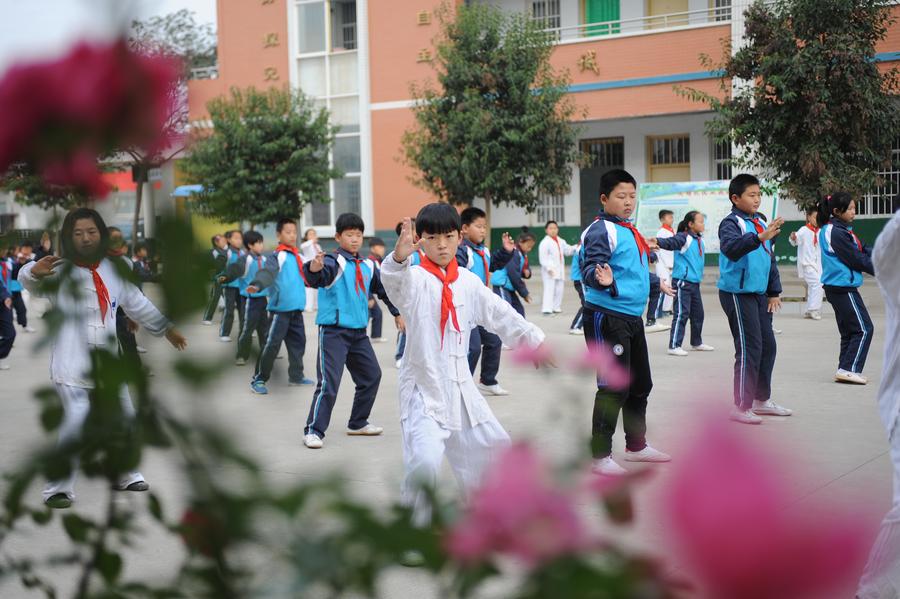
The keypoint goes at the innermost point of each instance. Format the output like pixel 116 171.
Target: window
pixel 882 201
pixel 722 160
pixel 670 150
pixel 547 13
pixel 312 27
pixel 602 11
pixel 608 152
pixel 551 208
pixel 343 22
pixel 721 10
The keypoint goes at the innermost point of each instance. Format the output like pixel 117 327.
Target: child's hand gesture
pixel 400 323
pixel 774 304
pixel 176 339
pixel 406 244
pixel 772 230
pixel 508 244
pixel 8 303
pixel 317 263
pixel 252 289
pixel 652 243
pixel 44 266
pixel 604 275
pixel 666 288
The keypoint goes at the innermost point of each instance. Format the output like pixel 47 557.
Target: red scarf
pixel 293 250
pixel 487 270
pixel 761 229
pixel 5 269
pixel 643 248
pixel 859 243
pixel 815 231
pixel 100 287
pixel 699 246
pixel 360 283
pixel 448 310
pixel 669 229
pixel 558 248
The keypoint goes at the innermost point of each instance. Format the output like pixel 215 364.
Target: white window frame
pixel 878 203
pixel 551 207
pixel 720 161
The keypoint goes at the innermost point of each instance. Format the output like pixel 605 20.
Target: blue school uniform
pixel 7 330
pixel 255 316
pixel 687 272
pixel 509 281
pixel 233 298
pixel 575 275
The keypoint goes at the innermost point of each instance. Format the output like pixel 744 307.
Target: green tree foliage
pixel 498 124
pixel 30 189
pixel 177 34
pixel 821 116
pixel 266 158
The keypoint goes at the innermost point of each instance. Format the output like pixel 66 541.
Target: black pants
pixel 339 347
pixel 625 337
pixel 512 298
pixel 577 321
pixel 214 294
pixel 7 331
pixel 19 307
pixel 854 325
pixel 688 306
pixel 127 340
pixel 490 356
pixel 233 301
pixel 377 317
pixel 654 305
pixel 754 346
pixel 289 328
pixel 255 319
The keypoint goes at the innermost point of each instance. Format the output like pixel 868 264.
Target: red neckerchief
pixel 699 246
pixel 448 310
pixel 558 248
pixel 100 287
pixel 293 250
pixel 815 231
pixel 760 229
pixel 487 270
pixel 360 283
pixel 374 258
pixel 669 229
pixel 5 269
pixel 859 243
pixel 258 262
pixel 643 248
pixel 525 257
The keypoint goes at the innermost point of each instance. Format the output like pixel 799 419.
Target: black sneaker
pixel 60 501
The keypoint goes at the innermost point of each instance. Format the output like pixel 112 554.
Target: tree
pixel 820 116
pixel 498 126
pixel 266 157
pixel 31 189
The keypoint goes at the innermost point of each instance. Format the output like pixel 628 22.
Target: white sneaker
pixel 225 339
pixel 702 347
pixel 4 364
pixel 677 352
pixel 240 362
pixel 29 329
pixel 398 363
pixel 369 430
pixel 777 331
pixel 657 328
pixel 607 467
pixel 492 389
pixel 745 417
pixel 815 315
pixel 313 441
pixel 379 340
pixel 206 323
pixel 575 332
pixel 807 314
pixel 647 454
pixel 770 408
pixel 140 349
pixel 845 376
pixel 557 311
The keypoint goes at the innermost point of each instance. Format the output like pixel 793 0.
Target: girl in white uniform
pixel 441 411
pixel 552 252
pixel 809 263
pixel 87 293
pixel 309 249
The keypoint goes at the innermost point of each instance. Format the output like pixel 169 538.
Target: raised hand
pixel 317 263
pixel 44 266
pixel 406 244
pixel 772 230
pixel 252 289
pixel 604 275
pixel 176 339
pixel 508 244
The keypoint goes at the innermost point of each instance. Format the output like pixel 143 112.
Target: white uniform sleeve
pixel 32 283
pixel 545 255
pixel 567 249
pixel 396 278
pixel 885 258
pixel 499 317
pixel 142 311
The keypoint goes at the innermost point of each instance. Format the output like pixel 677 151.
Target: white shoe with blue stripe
pixel 770 408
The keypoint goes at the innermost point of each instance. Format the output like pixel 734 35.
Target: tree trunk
pixel 137 216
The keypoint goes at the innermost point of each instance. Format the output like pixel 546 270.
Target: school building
pixel 358 58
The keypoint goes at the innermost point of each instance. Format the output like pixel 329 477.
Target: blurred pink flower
pixel 728 509
pixel 61 116
pixel 600 358
pixel 518 511
pixel 525 355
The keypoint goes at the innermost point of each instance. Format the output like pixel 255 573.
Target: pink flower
pixel 602 359
pixel 526 355
pixel 61 116
pixel 518 511
pixel 727 507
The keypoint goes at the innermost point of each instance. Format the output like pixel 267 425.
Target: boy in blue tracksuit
pixel 344 280
pixel 575 275
pixel 232 289
pixel 750 293
pixel 20 259
pixel 844 260
pixel 255 315
pixel 614 268
pixel 283 278
pixel 474 256
pixel 687 272
pixel 7 330
pixel 218 257
pixel 508 281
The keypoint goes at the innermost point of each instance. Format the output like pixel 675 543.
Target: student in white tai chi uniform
pixel 665 262
pixel 309 249
pixel 89 291
pixel 552 252
pixel 809 263
pixel 441 411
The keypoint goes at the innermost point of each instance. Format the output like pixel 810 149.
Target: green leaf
pixel 109 565
pixel 155 507
pixel 76 527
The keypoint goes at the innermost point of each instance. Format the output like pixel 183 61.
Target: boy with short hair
pixel 665 262
pixel 234 254
pixel 809 263
pixel 750 293
pixel 441 411
pixel 345 280
pixel 255 317
pixel 376 255
pixel 282 278
pixel 614 268
pixel 219 257
pixel 474 256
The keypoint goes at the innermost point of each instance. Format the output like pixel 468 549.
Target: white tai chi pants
pixel 312 299
pixel 76 407
pixel 666 301
pixel 815 292
pixel 881 578
pixel 553 293
pixel 425 443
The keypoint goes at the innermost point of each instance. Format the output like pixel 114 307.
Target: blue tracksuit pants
pixel 687 306
pixel 854 325
pixel 754 346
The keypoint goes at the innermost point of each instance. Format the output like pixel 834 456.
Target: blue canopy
pixel 183 191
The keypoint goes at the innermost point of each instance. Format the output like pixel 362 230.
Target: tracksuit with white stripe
pixel 687 272
pixel 233 298
pixel 7 330
pixel 575 275
pixel 219 259
pixel 344 284
pixel 748 277
pixel 844 259
pixel 508 281
pixel 255 304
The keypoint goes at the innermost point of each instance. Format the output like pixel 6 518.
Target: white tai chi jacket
pixel 82 329
pixel 808 254
pixel 551 255
pixel 886 259
pixel 440 373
